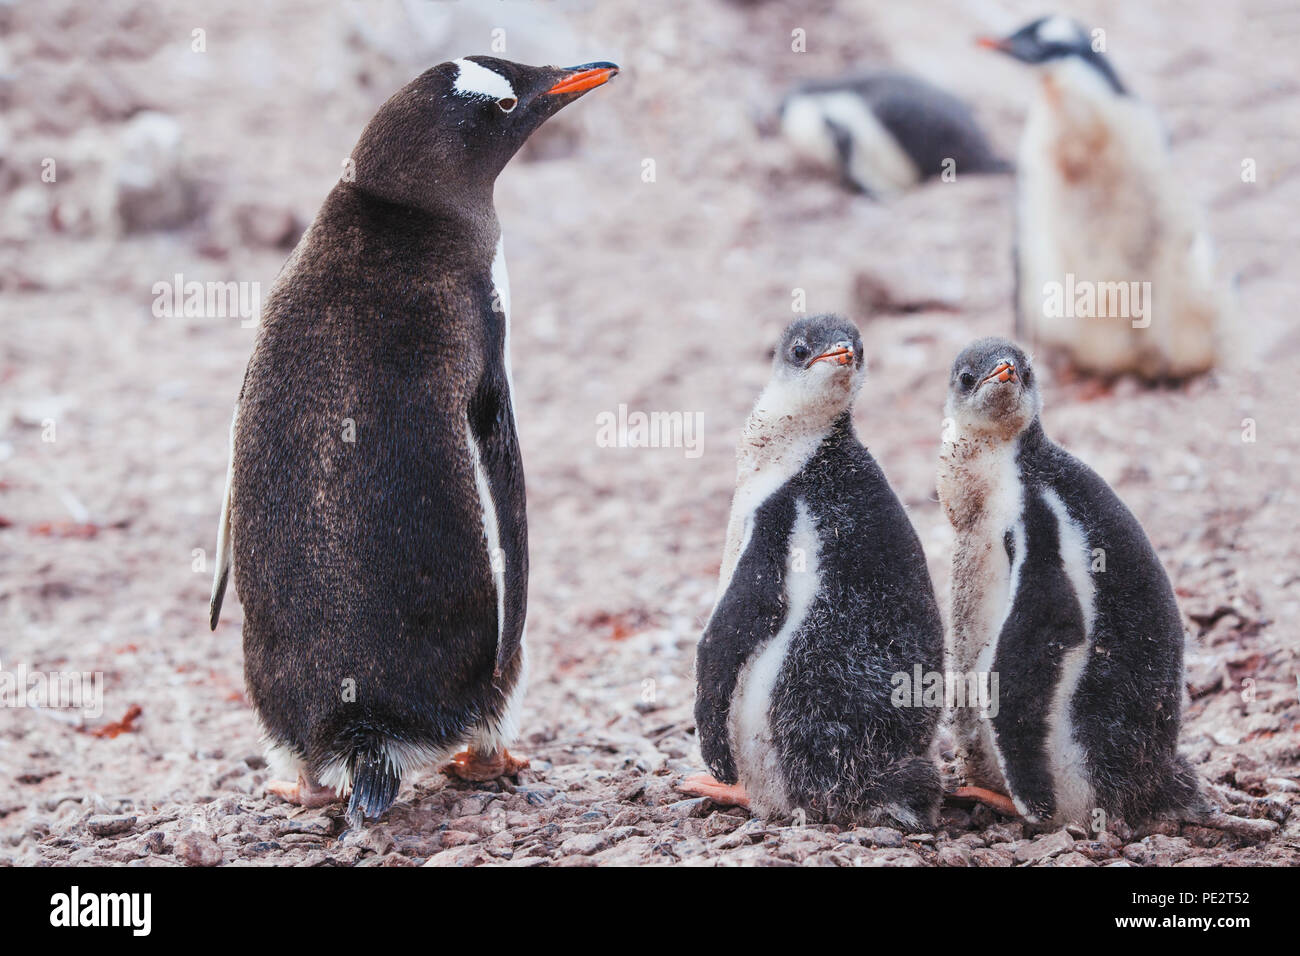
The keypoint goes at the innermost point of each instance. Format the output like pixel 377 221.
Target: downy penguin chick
pixel 824 597
pixel 1114 267
pixel 884 133
pixel 374 511
pixel 1056 590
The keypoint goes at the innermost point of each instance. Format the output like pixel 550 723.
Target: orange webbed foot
pixel 723 794
pixel 989 798
pixel 479 767
pixel 304 793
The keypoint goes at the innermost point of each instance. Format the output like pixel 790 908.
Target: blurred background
pixel 144 141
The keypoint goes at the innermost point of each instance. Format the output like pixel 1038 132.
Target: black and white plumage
pixel 1058 591
pixel 374 514
pixel 824 595
pixel 884 132
pixel 1102 204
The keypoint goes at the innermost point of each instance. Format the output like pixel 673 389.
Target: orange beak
pixel 584 79
pixel 989 43
pixel 840 356
pixel 1005 372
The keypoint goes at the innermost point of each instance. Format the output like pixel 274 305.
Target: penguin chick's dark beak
pixel 841 354
pixel 1005 372
pixel 580 79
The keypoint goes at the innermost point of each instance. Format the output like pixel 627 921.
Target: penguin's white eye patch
pixel 478 81
pixel 507 103
pixel 1057 30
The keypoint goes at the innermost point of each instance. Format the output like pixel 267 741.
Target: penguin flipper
pixel 1045 622
pixel 221 574
pixel 750 611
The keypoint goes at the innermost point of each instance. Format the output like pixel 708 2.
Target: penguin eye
pixel 967 381
pixel 801 353
pixel 507 103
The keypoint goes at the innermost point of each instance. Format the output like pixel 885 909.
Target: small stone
pixel 880 836
pixel 452 838
pixel 998 855
pixel 694 807
pixel 198 849
pixel 458 856
pixel 954 854
pixel 585 844
pixel 1072 859
pixel 1044 847
pixel 378 840
pixel 103 825
pixel 1158 850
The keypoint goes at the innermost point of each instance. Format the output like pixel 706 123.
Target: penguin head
pixel 819 365
pixel 445 136
pixel 1054 39
pixel 1042 40
pixel 993 390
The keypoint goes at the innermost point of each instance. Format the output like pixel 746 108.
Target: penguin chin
pixel 1001 411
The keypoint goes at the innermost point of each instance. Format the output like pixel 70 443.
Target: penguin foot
pixel 723 794
pixel 474 765
pixel 989 798
pixel 305 793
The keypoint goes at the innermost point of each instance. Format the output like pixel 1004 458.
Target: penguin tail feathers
pixel 910 791
pixel 375 782
pixel 1181 794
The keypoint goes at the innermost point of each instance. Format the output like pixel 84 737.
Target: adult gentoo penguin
pixel 374 508
pixel 885 132
pixel 1114 267
pixel 824 595
pixel 1057 590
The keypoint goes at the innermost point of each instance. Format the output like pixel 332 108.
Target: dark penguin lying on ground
pixel 1114 267
pixel 374 508
pixel 1057 590
pixel 824 597
pixel 884 133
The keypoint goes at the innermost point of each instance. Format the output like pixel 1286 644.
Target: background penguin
pixel 824 595
pixel 885 132
pixel 384 579
pixel 1099 199
pixel 1089 655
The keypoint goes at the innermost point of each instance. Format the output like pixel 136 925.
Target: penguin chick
pixel 1057 592
pixel 885 132
pixel 374 512
pixel 1114 267
pixel 824 596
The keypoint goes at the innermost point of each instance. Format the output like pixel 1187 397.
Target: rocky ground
pixel 662 295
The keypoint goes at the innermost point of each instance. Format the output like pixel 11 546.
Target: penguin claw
pixel 304 793
pixel 723 794
pixel 994 801
pixel 478 767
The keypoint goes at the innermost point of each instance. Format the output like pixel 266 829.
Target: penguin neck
pixel 786 434
pixel 1086 74
pixel 472 218
pixel 978 475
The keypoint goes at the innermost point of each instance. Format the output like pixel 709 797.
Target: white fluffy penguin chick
pixel 1114 266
